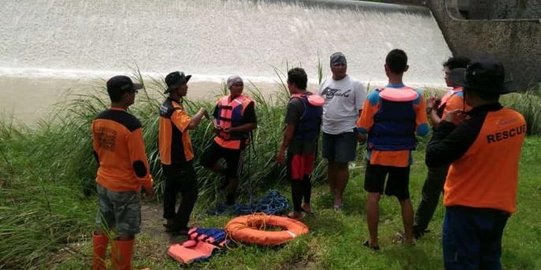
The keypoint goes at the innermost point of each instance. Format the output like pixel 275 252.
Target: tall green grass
pixel 47 175
pixel 529 104
pixel 47 171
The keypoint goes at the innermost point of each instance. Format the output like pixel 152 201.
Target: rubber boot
pixel 99 243
pixel 122 252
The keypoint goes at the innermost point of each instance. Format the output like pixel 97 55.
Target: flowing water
pixel 48 46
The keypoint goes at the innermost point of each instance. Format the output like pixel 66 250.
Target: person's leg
pixel 209 158
pixel 432 188
pixel 99 247
pixel 232 172
pixel 460 239
pixel 372 217
pixel 105 220
pixel 189 191
pixel 398 185
pixel 172 179
pixel 491 239
pixel 293 174
pixel 128 218
pixel 328 153
pixel 374 181
pixel 307 193
pixel 407 220
pixel 345 150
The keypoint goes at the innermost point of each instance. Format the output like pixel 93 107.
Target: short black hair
pixel 397 61
pixel 298 77
pixel 457 62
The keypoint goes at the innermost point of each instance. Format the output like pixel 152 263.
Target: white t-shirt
pixel 343 100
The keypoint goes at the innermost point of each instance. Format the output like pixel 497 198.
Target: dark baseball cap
pixel 338 58
pixel 486 75
pixel 122 84
pixel 176 79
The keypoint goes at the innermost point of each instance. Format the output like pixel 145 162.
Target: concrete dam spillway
pixel 54 40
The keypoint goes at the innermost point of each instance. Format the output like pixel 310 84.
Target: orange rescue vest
pixel 230 114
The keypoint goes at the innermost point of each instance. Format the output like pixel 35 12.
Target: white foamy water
pixel 212 39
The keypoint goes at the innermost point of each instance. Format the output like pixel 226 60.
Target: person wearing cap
pixel 344 97
pixel 453 99
pixel 176 153
pixel 234 119
pixel 391 119
pixel 478 198
pixel 301 135
pixel 119 149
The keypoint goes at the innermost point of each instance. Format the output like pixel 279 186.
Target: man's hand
pixel 361 138
pixel 149 192
pixel 455 116
pixel 431 102
pixel 205 113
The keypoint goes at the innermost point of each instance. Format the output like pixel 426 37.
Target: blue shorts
pixel 339 148
pixel 119 211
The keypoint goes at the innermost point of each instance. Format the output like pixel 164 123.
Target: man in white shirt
pixel 344 98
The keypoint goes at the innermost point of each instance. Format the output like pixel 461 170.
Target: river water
pixel 50 46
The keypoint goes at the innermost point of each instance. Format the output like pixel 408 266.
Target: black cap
pixel 176 79
pixel 486 76
pixel 122 84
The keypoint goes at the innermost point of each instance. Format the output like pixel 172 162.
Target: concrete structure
pixel 509 30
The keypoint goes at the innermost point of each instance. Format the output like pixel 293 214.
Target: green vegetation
pixel 47 201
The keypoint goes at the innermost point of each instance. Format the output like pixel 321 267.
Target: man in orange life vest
pixel 391 118
pixel 478 198
pixel 303 121
pixel 234 119
pixel 123 170
pixel 176 153
pixel 454 69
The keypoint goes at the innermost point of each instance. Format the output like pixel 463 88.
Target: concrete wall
pixel 517 43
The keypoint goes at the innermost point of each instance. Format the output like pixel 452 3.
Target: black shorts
pixel 215 152
pixel 397 183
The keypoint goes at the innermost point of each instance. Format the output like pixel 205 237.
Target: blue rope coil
pixel 273 203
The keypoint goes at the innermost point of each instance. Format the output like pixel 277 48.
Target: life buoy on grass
pixel 251 229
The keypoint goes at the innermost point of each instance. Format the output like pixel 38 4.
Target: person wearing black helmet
pixel 478 198
pixel 176 153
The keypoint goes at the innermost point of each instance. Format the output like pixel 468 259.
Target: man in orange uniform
pixel 391 118
pixel 478 198
pixel 119 149
pixel 234 119
pixel 176 153
pixel 454 69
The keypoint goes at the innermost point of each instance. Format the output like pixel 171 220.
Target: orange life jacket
pixel 230 114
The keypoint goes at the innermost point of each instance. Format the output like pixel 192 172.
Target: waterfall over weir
pixel 213 39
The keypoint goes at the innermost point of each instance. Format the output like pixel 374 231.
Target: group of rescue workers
pixel 461 155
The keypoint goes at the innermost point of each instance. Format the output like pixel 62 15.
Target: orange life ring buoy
pixel 251 229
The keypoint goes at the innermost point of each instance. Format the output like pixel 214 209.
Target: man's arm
pixel 450 142
pixel 288 136
pixel 250 120
pixel 139 161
